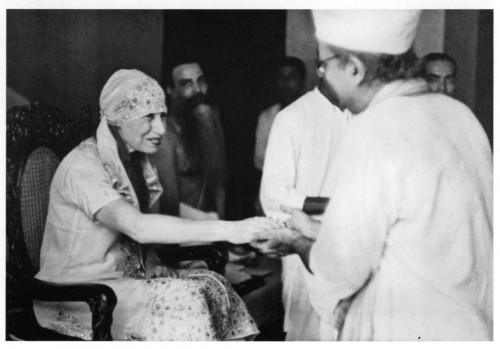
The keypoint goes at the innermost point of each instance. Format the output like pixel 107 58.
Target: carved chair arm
pixel 100 298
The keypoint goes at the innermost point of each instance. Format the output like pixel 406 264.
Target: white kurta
pixel 303 139
pixel 409 225
pixel 264 124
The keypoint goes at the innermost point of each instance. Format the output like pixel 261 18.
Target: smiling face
pixel 189 81
pixel 143 134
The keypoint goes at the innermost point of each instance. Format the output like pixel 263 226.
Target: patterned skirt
pixel 198 305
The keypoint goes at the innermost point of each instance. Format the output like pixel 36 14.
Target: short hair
pixel 294 62
pixel 436 56
pixel 174 63
pixel 381 66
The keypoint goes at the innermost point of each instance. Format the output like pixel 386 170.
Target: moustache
pixel 196 100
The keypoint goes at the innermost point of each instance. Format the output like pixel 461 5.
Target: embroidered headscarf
pixel 129 95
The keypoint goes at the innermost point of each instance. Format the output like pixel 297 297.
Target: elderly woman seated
pixel 100 223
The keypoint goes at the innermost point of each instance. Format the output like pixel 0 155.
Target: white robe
pixel 264 125
pixel 302 142
pixel 409 224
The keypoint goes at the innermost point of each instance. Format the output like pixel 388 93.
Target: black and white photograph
pixel 272 171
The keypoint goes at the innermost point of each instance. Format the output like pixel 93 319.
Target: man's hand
pixel 159 270
pixel 277 241
pixel 284 241
pixel 305 224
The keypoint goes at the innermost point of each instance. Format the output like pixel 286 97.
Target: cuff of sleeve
pixel 98 205
pixel 295 201
pixel 274 211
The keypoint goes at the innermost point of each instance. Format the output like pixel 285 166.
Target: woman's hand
pixel 277 241
pixel 159 270
pixel 245 230
pixel 306 225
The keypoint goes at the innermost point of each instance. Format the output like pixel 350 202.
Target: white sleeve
pixel 280 167
pixel 87 186
pixel 260 142
pixel 362 209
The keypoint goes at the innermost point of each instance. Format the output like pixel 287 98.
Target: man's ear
pixel 357 69
pixel 169 90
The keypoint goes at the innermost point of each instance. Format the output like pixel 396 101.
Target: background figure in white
pixel 301 145
pixel 290 77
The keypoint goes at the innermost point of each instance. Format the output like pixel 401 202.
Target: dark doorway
pixel 235 48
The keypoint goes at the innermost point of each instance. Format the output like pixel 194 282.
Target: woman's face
pixel 143 134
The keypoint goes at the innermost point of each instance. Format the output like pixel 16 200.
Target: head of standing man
pixel 290 80
pixel 187 85
pixel 439 70
pixel 362 51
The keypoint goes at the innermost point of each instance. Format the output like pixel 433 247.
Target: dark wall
pixel 235 48
pixel 484 74
pixel 64 57
pixel 469 39
pixel 462 46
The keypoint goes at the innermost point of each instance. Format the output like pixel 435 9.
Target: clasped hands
pixel 282 241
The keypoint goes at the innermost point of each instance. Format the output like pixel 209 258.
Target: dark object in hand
pixel 315 205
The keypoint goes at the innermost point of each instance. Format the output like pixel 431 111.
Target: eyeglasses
pixel 321 64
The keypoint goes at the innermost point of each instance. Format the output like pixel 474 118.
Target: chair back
pixel 34 182
pixel 38 136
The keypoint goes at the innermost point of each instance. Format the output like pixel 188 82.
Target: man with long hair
pixel 191 161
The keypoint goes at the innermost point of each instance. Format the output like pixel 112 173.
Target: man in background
pixel 191 160
pixel 439 70
pixel 290 79
pixel 302 144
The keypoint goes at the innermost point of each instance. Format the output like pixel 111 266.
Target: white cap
pixel 376 31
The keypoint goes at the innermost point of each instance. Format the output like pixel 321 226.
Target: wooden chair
pixel 37 138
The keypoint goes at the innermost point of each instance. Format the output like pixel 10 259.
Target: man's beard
pixel 182 107
pixel 187 118
pixel 195 100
